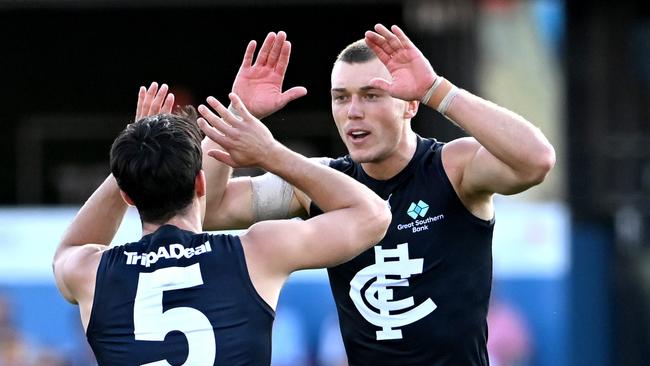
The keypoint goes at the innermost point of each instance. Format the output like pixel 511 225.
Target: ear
pixel 126 198
pixel 411 109
pixel 200 184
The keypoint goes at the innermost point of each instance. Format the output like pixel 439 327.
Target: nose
pixel 355 110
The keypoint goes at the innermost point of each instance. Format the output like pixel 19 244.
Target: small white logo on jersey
pixel 380 297
pixel 175 251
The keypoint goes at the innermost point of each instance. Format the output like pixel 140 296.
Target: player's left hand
pixel 412 73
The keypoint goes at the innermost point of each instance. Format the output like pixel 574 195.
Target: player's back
pixel 176 297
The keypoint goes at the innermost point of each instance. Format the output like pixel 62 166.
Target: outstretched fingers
pixel 293 94
pixel 211 132
pixel 265 50
pixel 214 135
pixel 146 101
pixel 276 50
pixel 154 100
pixel 241 109
pixel 223 157
pixel 392 43
pixel 159 99
pixel 142 93
pixel 281 68
pixel 374 41
pixel 283 58
pixel 168 106
pixel 403 38
pixel 248 55
pixel 214 120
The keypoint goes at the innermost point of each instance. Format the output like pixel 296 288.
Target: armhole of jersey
pixel 452 191
pixel 247 278
pixel 98 290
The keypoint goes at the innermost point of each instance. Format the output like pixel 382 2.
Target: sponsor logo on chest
pixel 418 212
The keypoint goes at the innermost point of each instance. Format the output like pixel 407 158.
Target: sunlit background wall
pixel 571 256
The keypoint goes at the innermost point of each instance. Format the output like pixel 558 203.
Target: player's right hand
pixel 244 139
pixel 259 84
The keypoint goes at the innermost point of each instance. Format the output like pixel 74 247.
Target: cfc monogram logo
pixel 386 312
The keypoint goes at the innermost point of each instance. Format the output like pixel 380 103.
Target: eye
pixel 372 96
pixel 339 97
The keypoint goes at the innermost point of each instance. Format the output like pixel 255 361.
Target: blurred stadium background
pixel 571 257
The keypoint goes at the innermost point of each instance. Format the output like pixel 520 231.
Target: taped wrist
pixel 272 197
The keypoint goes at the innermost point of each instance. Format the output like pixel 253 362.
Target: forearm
pixel 506 135
pixel 216 176
pixel 98 219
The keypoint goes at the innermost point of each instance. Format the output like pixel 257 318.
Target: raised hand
pixel 154 101
pixel 245 140
pixel 411 71
pixel 259 84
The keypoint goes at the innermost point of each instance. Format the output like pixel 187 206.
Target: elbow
pixel 541 165
pixel 380 219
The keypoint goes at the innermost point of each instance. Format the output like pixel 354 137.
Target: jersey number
pixel 151 323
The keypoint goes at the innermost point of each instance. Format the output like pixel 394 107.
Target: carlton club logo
pixel 385 311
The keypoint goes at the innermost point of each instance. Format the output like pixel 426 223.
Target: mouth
pixel 357 135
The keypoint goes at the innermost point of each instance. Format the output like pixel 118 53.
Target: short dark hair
pixel 155 161
pixel 356 52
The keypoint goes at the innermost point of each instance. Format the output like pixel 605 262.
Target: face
pixel 371 123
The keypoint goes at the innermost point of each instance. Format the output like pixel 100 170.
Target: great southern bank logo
pixel 416 211
pixel 419 209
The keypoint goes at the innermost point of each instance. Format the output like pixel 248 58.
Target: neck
pixel 190 220
pixel 396 161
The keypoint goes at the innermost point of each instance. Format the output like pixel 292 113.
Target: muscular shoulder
pixel 456 155
pixel 75 272
pixel 457 160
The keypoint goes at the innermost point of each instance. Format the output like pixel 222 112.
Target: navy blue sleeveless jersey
pixel 420 296
pixel 178 298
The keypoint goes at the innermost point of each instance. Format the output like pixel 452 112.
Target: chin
pixel 362 157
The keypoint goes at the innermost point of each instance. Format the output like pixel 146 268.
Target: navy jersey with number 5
pixel 420 296
pixel 178 298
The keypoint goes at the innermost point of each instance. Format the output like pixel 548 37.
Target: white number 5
pixel 152 324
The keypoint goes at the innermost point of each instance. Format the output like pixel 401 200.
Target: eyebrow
pixel 363 88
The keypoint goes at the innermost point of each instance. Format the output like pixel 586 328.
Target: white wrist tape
pixel 446 101
pixel 272 197
pixel 429 93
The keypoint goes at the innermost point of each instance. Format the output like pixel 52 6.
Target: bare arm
pixel 93 228
pixel 355 218
pixel 90 232
pixel 259 85
pixel 236 209
pixel 506 155
pixel 221 212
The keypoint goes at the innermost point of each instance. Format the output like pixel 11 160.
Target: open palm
pixel 411 72
pixel 259 84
